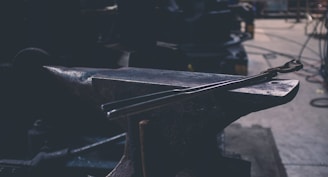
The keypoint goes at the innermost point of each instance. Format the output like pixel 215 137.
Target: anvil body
pixel 179 139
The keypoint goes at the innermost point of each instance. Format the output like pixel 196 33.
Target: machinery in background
pixel 202 36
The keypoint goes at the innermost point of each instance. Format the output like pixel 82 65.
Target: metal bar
pixel 152 101
pixel 97 144
pixel 132 106
pixel 112 105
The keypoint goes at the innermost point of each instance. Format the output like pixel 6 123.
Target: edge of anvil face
pixel 276 87
pixel 170 78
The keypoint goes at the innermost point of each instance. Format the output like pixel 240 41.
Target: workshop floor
pixel 300 130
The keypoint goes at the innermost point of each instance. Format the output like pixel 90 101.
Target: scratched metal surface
pixel 171 78
pixel 104 85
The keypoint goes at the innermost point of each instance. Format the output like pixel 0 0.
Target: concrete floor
pixel 299 129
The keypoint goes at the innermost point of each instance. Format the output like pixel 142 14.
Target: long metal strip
pixel 149 102
pixel 135 105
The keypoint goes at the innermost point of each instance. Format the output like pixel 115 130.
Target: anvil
pixel 180 139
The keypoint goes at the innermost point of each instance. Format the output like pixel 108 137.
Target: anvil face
pixel 104 85
pixel 166 79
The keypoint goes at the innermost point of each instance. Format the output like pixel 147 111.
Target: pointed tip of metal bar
pixel 111 115
pixel 108 106
pixel 103 107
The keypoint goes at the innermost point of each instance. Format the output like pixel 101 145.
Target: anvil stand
pixel 179 140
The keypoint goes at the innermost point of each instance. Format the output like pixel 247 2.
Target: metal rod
pixel 97 144
pixel 135 105
pixel 115 104
pixel 149 102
